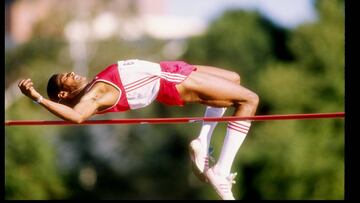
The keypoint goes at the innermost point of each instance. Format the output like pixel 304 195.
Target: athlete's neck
pixel 76 95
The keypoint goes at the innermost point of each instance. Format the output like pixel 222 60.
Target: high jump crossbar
pixel 176 120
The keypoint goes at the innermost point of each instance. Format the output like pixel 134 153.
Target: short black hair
pixel 53 88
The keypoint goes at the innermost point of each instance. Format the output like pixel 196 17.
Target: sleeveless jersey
pixel 141 82
pixel 110 75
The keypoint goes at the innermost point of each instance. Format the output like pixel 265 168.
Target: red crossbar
pixel 178 120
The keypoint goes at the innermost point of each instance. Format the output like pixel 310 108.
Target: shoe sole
pixel 200 175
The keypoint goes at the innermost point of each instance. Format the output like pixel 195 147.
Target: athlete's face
pixel 71 81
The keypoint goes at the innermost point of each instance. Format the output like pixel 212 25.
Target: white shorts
pixel 141 81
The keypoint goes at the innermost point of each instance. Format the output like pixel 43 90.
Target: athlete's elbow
pixel 81 117
pixel 75 121
pixel 78 120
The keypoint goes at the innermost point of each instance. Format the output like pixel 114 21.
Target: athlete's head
pixel 65 86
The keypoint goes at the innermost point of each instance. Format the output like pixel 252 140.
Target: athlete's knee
pixel 249 99
pixel 253 99
pixel 235 77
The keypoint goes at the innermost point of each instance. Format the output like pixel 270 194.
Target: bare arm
pixel 78 114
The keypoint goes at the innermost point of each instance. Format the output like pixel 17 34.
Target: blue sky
pixel 286 13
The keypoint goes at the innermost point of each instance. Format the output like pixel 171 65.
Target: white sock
pixel 208 127
pixel 235 136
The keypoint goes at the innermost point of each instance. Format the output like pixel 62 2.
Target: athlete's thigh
pixel 208 87
pixel 227 74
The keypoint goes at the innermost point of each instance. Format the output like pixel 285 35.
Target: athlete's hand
pixel 26 87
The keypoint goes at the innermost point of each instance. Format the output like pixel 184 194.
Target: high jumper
pixel 132 84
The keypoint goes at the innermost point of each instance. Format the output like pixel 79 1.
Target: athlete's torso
pixel 138 82
pixel 141 82
pixel 110 76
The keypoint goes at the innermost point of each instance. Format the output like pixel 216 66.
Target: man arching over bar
pixel 133 84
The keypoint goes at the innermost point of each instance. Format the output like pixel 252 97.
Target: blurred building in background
pixel 129 19
pixel 91 20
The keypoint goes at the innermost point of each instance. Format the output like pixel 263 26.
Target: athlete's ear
pixel 63 94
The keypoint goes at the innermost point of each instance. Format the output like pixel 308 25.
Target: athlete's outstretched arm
pixel 78 114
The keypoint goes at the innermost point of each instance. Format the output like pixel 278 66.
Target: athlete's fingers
pixel 28 85
pixel 26 82
pixel 21 82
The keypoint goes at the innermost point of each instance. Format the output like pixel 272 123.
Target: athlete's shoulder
pixel 107 70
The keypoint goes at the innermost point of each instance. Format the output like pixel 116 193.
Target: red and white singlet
pixel 141 82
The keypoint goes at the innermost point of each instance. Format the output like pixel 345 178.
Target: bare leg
pixel 199 146
pixel 226 74
pixel 208 88
pixel 216 91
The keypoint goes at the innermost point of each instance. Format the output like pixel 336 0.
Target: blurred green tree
pixel 239 40
pixel 303 159
pixel 30 166
pixel 293 71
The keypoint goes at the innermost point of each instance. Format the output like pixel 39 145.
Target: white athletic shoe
pixel 221 184
pixel 200 159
